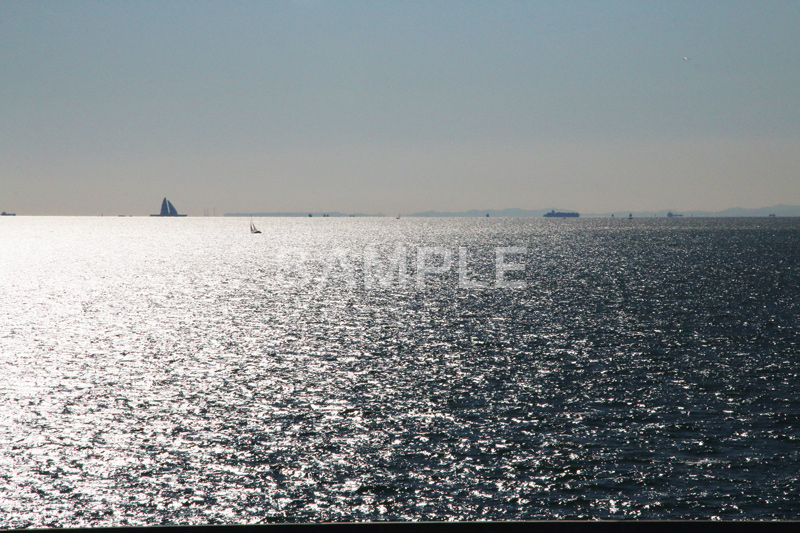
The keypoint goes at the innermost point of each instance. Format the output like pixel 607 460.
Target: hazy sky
pixel 397 107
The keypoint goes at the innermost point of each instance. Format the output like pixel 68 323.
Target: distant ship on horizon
pixel 561 214
pixel 168 210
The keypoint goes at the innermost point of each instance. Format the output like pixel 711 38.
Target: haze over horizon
pixel 311 105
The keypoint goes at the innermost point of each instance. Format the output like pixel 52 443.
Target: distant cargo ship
pixel 168 210
pixel 671 214
pixel 560 214
pixel 4 214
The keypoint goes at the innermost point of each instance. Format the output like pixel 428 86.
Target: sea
pixel 187 371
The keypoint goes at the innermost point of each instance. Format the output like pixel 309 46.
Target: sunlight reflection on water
pixel 181 371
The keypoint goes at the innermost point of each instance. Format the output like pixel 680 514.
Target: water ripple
pixel 180 372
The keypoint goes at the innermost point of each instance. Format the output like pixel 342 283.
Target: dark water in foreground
pixel 184 371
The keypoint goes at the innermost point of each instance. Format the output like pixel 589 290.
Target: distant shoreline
pixel 779 211
pixel 734 212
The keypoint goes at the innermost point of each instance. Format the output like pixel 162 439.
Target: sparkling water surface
pixel 183 371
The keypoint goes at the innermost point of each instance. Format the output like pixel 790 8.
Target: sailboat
pixel 253 228
pixel 168 210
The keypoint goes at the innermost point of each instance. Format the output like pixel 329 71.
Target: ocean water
pixel 183 371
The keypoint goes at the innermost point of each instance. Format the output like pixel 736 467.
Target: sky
pixel 397 106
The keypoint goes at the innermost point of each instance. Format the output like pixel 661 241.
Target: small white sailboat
pixel 253 228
